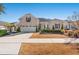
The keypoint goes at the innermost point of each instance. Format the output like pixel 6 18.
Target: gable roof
pixel 43 19
pixel 26 15
pixel 55 19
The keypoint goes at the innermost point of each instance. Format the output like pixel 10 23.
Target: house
pixel 7 26
pixel 30 23
pixel 2 25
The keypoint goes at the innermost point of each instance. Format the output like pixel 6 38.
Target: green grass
pixel 3 32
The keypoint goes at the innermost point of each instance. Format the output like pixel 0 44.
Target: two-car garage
pixel 28 29
pixel 28 23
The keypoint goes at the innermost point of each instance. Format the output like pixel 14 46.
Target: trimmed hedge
pixel 52 31
pixel 3 32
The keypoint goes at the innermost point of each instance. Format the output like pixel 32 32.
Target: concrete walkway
pixel 38 40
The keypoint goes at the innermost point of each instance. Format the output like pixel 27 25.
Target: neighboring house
pixel 2 25
pixel 29 23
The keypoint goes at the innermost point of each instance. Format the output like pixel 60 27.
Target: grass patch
pixel 3 32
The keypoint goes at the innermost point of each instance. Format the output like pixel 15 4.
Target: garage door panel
pixel 28 29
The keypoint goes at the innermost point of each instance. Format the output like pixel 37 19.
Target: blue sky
pixel 46 10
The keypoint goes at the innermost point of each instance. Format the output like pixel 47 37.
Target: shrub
pixel 62 27
pixel 58 31
pixel 70 34
pixel 76 35
pixel 52 31
pixel 18 29
pixel 62 30
pixel 3 32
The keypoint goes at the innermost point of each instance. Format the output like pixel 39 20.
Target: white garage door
pixel 28 29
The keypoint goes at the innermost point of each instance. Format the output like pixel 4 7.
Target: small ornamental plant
pixel 18 29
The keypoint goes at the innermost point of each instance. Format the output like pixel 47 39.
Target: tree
pixel 39 27
pixel 9 26
pixel 2 9
pixel 76 18
pixel 18 29
pixel 62 27
pixel 69 18
pixel 44 27
pixel 53 27
pixel 73 19
pixel 77 23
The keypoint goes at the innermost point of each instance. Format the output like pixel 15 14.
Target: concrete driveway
pixel 17 36
pixel 9 44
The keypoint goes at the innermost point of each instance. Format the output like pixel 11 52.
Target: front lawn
pixel 3 32
pixel 48 35
pixel 48 49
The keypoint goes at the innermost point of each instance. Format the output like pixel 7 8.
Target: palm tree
pixel 2 9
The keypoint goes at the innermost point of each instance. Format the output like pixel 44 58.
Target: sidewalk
pixel 36 40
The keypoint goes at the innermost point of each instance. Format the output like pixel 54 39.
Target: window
pixel 28 19
pixel 57 25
